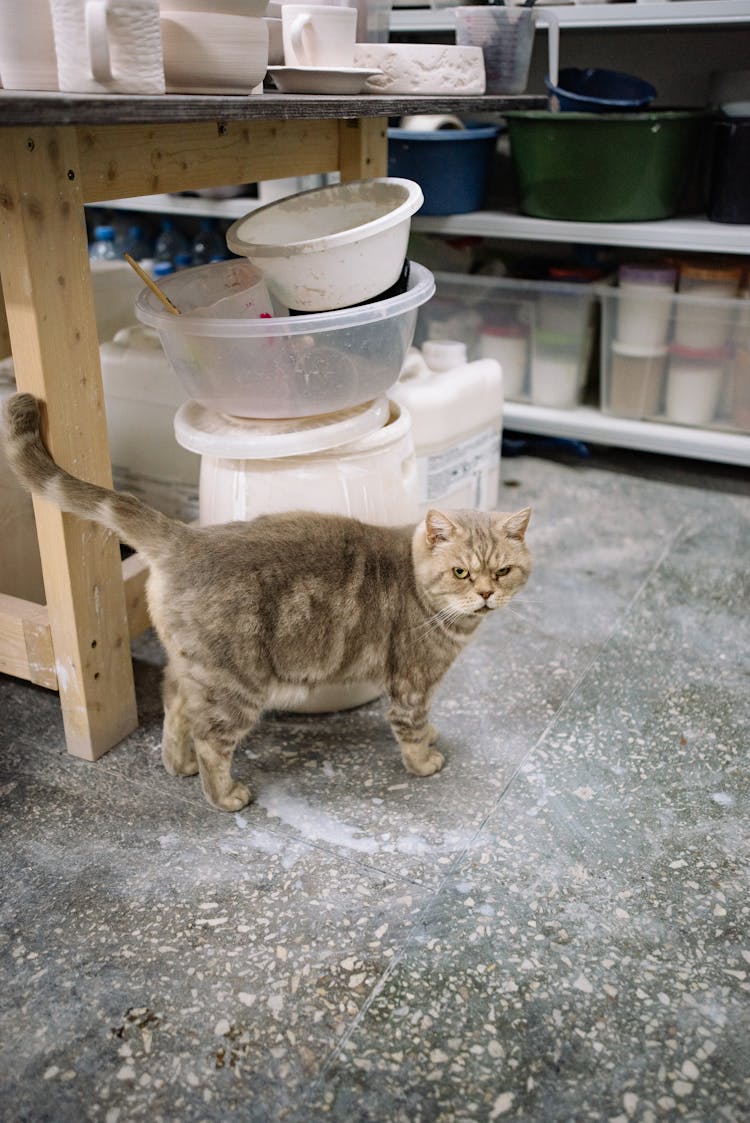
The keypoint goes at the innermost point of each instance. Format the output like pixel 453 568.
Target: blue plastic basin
pixel 597 91
pixel 452 166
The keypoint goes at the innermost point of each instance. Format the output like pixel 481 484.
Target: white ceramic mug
pixel 318 35
pixel 108 46
pixel 27 45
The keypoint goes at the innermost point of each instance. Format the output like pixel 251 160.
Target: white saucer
pixel 321 79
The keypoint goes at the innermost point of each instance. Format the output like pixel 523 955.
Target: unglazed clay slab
pixel 422 68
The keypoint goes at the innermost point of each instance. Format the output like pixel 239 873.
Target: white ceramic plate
pixel 321 80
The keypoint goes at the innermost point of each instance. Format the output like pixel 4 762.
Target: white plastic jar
pixel 634 383
pixel 556 369
pixel 694 382
pixel 508 344
pixel 644 304
pixel 358 462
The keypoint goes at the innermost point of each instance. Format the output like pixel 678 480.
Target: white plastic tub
pixel 285 366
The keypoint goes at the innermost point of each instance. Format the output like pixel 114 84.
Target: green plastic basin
pixel 614 167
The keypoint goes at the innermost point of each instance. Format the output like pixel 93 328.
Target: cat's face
pixel 471 562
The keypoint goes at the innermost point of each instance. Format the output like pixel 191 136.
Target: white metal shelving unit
pixel 692 234
pixel 682 13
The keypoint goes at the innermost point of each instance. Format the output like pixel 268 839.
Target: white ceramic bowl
pixel 285 366
pixel 213 53
pixel 331 247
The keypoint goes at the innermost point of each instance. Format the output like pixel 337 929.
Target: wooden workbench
pixel 57 153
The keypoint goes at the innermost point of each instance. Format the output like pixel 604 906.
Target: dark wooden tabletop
pixel 20 107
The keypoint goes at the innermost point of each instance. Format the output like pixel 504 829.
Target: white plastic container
pixel 141 395
pixel 556 369
pixel 456 412
pixel 694 382
pixel 359 462
pixel 699 323
pixel 20 564
pixel 632 380
pixel 643 306
pixel 508 344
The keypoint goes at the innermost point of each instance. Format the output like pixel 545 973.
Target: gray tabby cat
pixel 253 614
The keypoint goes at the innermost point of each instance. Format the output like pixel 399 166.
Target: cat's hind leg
pixel 177 751
pixel 219 721
pixel 415 734
pixel 215 755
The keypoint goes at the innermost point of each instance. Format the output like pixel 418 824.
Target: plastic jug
pixel 456 410
pixel 141 395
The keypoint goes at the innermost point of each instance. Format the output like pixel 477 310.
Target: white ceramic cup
pixel 318 35
pixel 108 46
pixel 27 45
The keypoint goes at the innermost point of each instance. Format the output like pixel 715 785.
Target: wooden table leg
pixel 363 148
pixel 50 311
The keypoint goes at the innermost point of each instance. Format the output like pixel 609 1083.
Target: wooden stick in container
pixel 152 285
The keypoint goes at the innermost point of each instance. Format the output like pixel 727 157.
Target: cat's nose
pixel 486 593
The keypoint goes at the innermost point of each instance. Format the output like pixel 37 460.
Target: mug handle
pixel 298 37
pixel 97 35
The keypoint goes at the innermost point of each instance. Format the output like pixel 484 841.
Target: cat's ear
pixel 438 527
pixel 515 525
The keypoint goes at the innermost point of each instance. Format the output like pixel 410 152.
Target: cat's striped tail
pixel 147 530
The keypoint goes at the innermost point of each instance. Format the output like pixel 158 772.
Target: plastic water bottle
pixel 102 248
pixel 138 245
pixel 169 242
pixel 208 244
pixel 162 269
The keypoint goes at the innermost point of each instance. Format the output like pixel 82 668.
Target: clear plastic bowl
pixel 285 366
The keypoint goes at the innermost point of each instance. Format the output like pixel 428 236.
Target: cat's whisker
pixel 518 614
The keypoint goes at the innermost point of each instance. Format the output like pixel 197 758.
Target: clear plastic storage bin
pixel 704 382
pixel 540 332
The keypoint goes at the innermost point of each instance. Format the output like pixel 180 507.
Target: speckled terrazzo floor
pixel 556 928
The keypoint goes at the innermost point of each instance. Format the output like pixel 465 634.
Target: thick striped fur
pixel 255 614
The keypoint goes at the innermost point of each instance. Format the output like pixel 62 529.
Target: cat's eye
pixel 504 571
pixel 460 572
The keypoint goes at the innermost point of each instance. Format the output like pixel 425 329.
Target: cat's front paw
pixel 432 734
pixel 238 796
pixel 424 763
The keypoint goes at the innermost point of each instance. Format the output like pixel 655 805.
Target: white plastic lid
pixel 247 438
pixel 444 354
